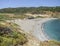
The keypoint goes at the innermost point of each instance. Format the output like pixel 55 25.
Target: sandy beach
pixel 33 27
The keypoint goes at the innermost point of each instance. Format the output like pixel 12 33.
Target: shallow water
pixel 52 29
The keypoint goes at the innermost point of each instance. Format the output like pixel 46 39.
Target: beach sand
pixel 33 27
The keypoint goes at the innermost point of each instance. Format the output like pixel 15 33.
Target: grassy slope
pixel 9 16
pixel 11 38
pixel 50 43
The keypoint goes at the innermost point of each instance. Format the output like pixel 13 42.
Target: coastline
pixel 46 36
pixel 43 35
pixel 34 27
pixel 42 29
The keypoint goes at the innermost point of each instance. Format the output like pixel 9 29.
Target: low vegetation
pixel 20 12
pixel 50 43
pixel 9 16
pixel 10 36
pixel 33 10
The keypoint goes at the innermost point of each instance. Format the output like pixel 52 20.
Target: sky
pixel 28 3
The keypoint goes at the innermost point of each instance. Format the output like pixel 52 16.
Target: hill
pixel 36 10
pixel 50 11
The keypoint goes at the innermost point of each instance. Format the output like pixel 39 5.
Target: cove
pixel 52 29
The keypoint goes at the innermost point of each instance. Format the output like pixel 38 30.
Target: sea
pixel 52 29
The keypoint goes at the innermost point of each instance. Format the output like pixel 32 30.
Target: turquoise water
pixel 52 29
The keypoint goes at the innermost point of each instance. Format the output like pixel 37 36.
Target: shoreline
pixel 47 37
pixel 42 27
pixel 34 27
pixel 43 35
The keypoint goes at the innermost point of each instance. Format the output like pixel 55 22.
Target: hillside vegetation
pixel 21 11
pixel 50 43
pixel 35 10
pixel 10 36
